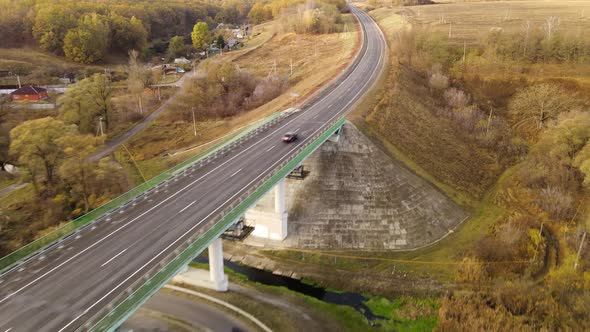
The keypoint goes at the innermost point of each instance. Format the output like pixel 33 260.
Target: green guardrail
pixel 123 310
pixel 24 252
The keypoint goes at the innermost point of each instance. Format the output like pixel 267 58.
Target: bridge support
pixel 336 137
pixel 214 279
pixel 270 224
pixel 216 274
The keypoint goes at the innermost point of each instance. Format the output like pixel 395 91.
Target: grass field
pixel 472 20
pixel 310 71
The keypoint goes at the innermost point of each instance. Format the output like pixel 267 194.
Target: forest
pixel 84 31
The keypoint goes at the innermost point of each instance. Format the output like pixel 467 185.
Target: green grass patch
pixel 405 313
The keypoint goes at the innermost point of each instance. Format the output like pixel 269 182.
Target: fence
pixel 53 237
pixel 124 305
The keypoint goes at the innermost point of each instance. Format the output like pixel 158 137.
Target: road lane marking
pixel 9 329
pixel 296 130
pixel 186 207
pixel 221 205
pixel 236 172
pixel 143 214
pixel 272 147
pixel 182 236
pixel 191 184
pixel 117 255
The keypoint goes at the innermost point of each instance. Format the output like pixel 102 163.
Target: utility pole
pixel 489 120
pixel 194 121
pixel 571 221
pixel 579 251
pixel 100 130
pixel 450 29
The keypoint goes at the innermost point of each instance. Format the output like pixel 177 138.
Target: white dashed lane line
pixel 117 255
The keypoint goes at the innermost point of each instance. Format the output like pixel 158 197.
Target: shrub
pixel 438 81
pixel 556 202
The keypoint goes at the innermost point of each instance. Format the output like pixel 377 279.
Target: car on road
pixel 289 137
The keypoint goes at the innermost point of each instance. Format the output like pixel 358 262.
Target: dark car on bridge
pixel 289 137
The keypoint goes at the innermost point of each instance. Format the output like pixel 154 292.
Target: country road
pixel 67 287
pixel 191 312
pixel 111 146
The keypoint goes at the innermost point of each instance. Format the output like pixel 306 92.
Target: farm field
pixel 472 20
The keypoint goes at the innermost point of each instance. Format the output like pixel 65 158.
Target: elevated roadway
pixel 74 283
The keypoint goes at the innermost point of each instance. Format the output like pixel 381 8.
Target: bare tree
pixel 542 102
pixel 139 77
pixel 526 26
pixel 551 25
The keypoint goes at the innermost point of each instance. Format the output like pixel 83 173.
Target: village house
pixel 29 92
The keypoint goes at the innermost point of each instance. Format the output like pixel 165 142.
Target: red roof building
pixel 29 92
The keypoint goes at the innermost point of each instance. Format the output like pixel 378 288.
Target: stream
pixel 353 300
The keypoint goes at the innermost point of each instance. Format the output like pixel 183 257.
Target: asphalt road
pixel 189 312
pixel 64 287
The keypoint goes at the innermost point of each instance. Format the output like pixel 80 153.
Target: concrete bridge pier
pixel 270 224
pixel 216 274
pixel 214 279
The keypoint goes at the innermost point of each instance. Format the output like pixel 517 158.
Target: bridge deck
pixel 71 284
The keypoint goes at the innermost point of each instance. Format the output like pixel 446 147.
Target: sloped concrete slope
pixel 356 196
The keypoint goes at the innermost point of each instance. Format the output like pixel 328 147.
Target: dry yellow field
pixel 311 70
pixel 473 20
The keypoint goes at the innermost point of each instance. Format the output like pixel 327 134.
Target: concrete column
pixel 271 223
pixel 280 206
pixel 218 278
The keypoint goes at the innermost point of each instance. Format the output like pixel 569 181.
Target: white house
pixel 182 61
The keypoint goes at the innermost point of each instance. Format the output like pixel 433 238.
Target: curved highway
pixel 64 287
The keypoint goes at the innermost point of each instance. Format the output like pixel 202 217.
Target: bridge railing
pixel 120 308
pixel 73 227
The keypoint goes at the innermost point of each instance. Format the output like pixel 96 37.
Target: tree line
pixel 302 15
pixel 85 31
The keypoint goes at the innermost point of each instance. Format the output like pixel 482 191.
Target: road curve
pixel 65 286
pixel 190 311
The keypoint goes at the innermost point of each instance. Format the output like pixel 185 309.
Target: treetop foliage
pixel 97 26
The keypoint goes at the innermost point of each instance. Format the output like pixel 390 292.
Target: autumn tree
pixel 139 78
pixel 542 102
pixel 259 13
pixel 201 36
pixel 75 171
pixel 176 46
pixel 76 108
pixel 127 34
pixel 86 101
pixel 89 41
pixel 52 23
pixel 35 145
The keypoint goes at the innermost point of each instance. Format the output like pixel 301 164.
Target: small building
pixel 232 42
pixel 29 92
pixel 182 61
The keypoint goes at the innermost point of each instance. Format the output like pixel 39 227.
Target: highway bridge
pixel 96 277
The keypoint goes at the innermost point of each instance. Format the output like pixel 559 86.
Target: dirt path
pixel 11 188
pixel 109 147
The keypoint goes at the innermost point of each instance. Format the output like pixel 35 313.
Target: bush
pixel 556 202
pixel 438 81
pixel 456 98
